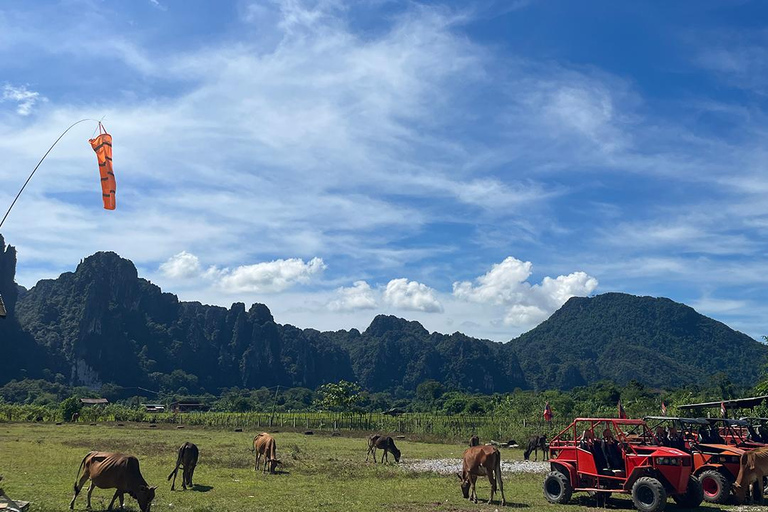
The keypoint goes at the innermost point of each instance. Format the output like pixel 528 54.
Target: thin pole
pixel 38 165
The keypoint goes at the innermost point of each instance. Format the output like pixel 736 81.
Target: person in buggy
pixel 676 439
pixel 611 451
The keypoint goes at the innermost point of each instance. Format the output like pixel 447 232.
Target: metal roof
pixel 696 421
pixel 94 401
pixel 738 403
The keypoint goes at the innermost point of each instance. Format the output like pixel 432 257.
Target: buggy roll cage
pixel 561 440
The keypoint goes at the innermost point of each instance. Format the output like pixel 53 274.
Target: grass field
pixel 39 462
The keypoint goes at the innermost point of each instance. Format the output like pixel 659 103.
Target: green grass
pixel 39 462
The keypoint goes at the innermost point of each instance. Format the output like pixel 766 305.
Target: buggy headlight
pixel 668 461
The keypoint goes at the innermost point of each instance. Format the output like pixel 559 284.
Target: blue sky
pixel 467 165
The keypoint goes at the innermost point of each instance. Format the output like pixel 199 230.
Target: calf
pixel 114 471
pixel 479 461
pixel 752 470
pixel 534 444
pixel 264 444
pixel 385 443
pixel 187 458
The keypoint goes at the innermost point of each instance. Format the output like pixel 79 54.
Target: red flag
pixel 622 414
pixel 722 409
pixel 663 408
pixel 547 412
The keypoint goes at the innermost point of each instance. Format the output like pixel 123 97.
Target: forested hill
pixel 620 337
pixel 103 324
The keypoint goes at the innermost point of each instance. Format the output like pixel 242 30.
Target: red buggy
pixel 624 463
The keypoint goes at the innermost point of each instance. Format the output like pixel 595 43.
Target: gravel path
pixel 448 466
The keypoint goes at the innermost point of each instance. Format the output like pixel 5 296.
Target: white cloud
pixel 182 266
pixel 412 295
pixel 359 296
pixel 24 98
pixel 270 277
pixel 506 285
pixel 503 284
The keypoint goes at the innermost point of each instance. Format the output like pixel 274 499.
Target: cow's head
pixel 144 496
pixel 396 453
pixel 273 464
pixel 464 482
pixel 739 492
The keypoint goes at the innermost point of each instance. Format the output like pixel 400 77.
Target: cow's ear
pixel 153 488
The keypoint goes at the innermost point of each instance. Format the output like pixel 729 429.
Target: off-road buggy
pixel 716 465
pixel 630 465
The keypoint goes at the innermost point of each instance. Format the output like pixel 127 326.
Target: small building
pixel 189 407
pixel 94 401
pixel 153 407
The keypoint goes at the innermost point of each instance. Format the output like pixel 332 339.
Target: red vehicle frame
pixel 650 473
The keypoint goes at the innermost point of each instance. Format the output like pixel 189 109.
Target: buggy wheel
pixel 649 495
pixel 557 488
pixel 717 488
pixel 693 495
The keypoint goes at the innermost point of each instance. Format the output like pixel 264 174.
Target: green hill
pixel 621 337
pixel 102 324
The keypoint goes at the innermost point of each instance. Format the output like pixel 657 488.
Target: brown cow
pixel 187 458
pixel 474 440
pixel 264 444
pixel 479 461
pixel 385 443
pixel 754 466
pixel 114 471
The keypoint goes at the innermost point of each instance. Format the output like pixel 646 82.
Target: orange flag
pixel 102 145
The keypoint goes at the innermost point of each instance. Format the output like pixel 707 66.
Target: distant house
pixel 94 401
pixel 394 412
pixel 189 407
pixel 153 407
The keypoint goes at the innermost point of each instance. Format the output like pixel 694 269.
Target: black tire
pixel 693 496
pixel 557 488
pixel 649 495
pixel 716 487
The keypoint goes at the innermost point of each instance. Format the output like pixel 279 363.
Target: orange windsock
pixel 102 145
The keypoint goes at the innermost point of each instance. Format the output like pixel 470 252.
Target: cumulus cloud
pixel 265 277
pixel 412 295
pixel 359 296
pixel 506 284
pixel 24 98
pixel 271 276
pixel 182 266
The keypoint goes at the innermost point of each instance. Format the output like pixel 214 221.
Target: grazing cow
pixel 264 444
pixel 385 443
pixel 187 458
pixel 114 471
pixel 753 468
pixel 474 440
pixel 534 444
pixel 479 461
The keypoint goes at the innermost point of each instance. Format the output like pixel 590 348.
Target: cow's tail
pixel 178 461
pixel 497 470
pixel 77 476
